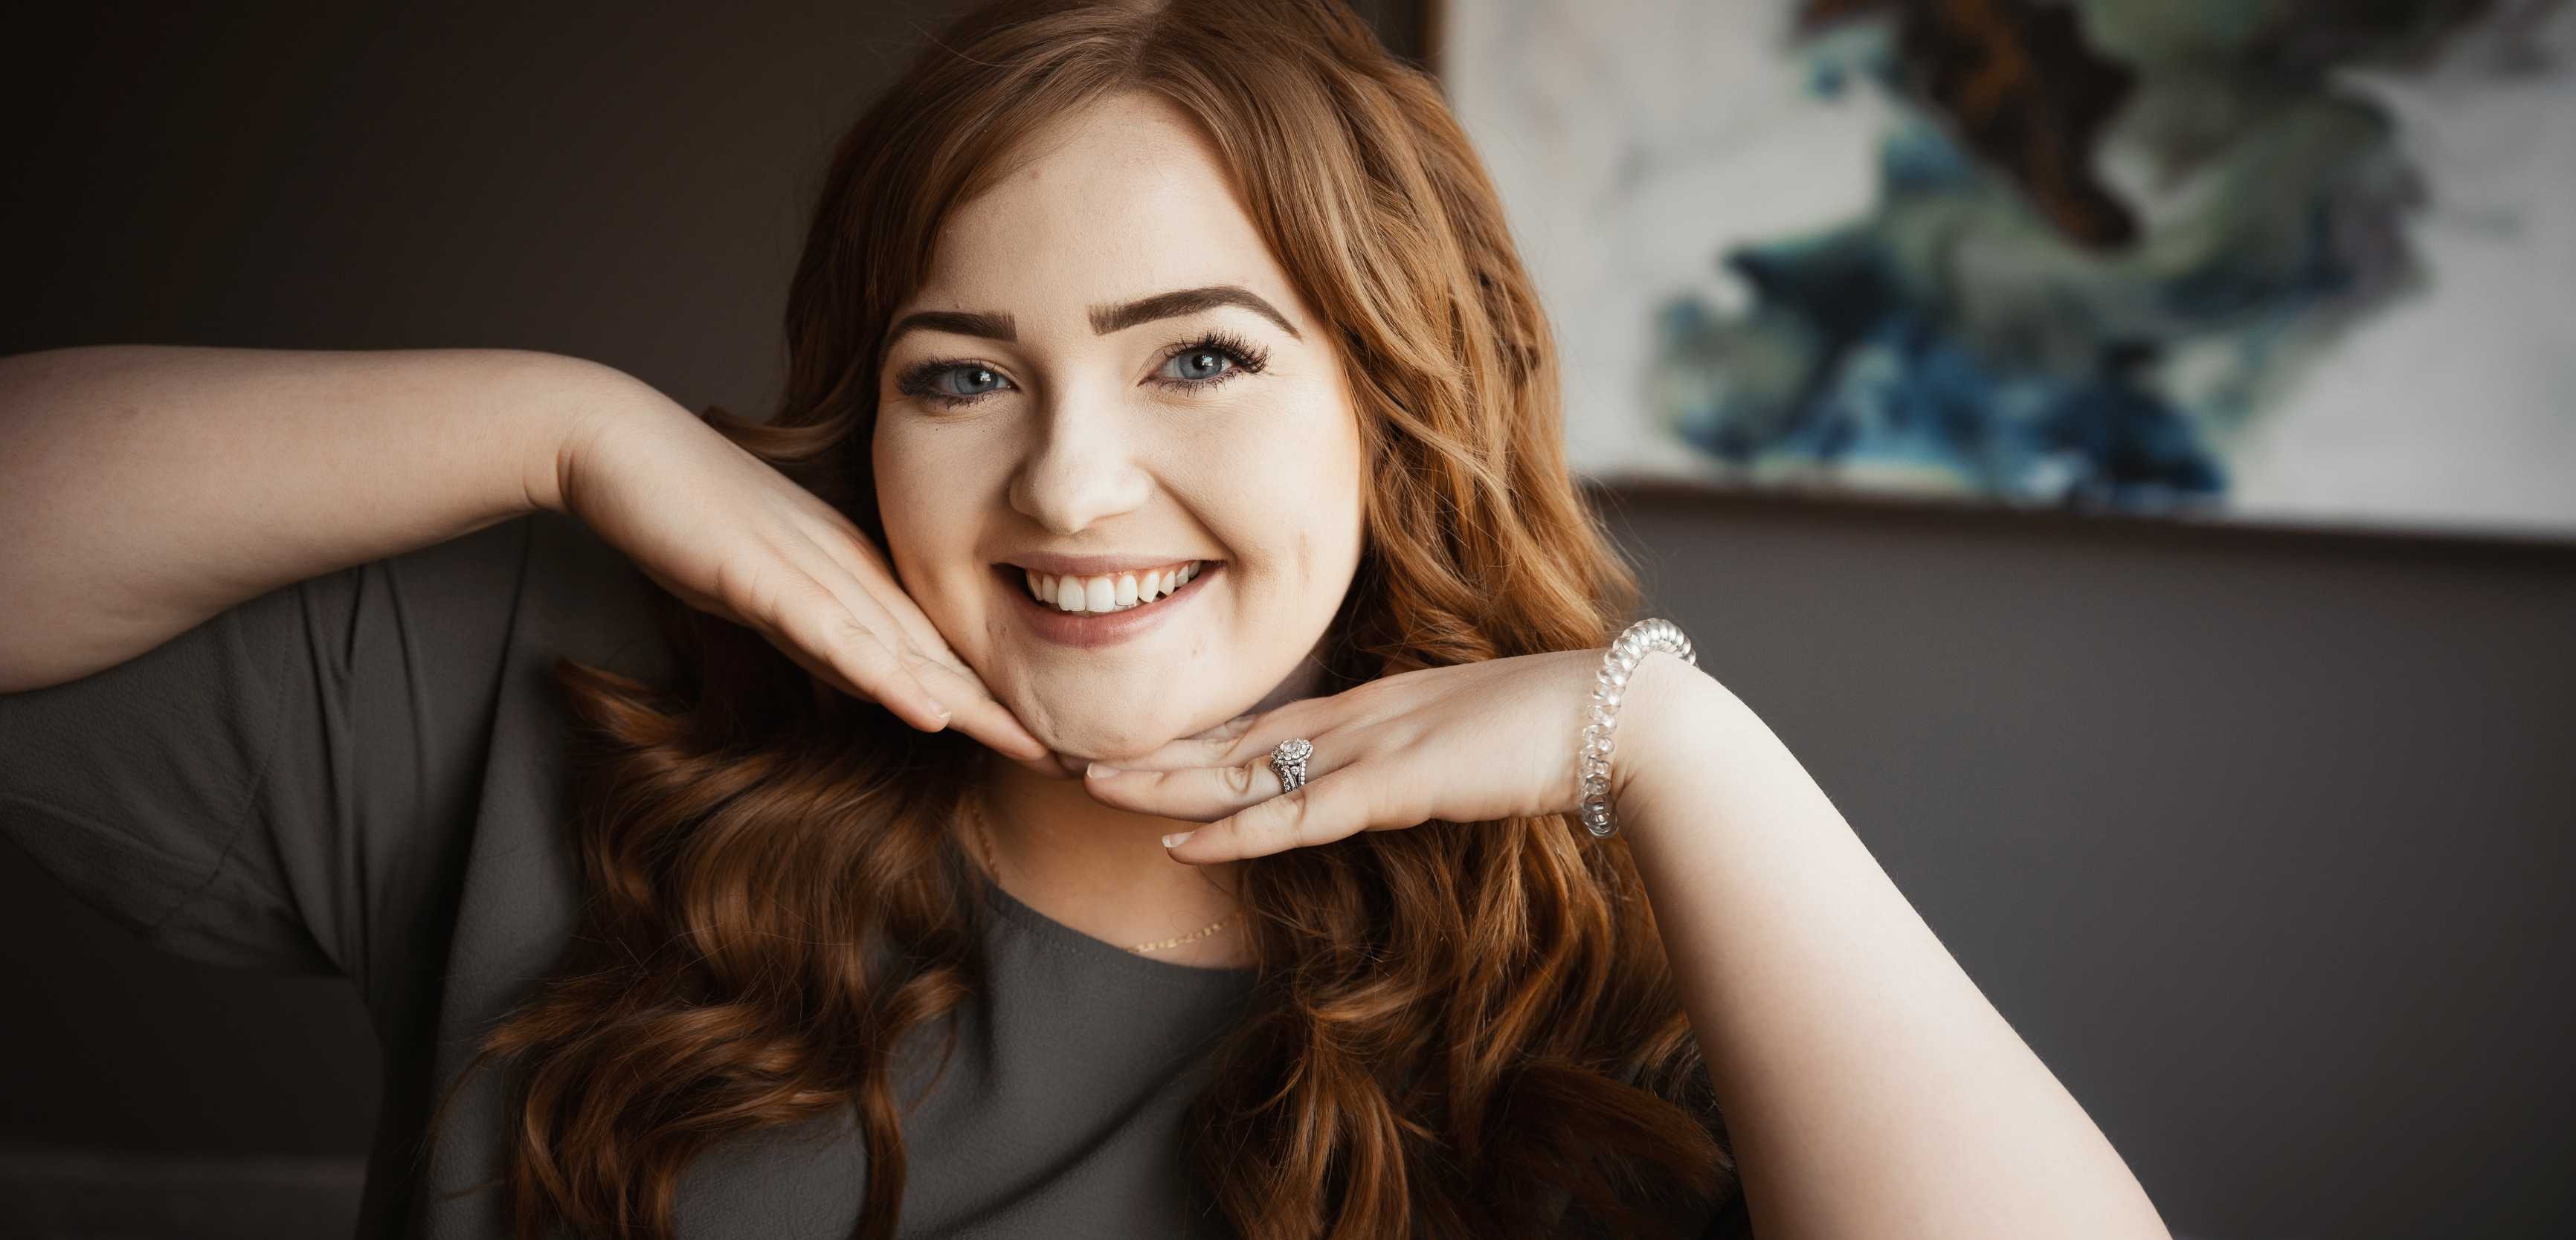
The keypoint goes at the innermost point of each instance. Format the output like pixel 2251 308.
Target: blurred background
pixel 2184 624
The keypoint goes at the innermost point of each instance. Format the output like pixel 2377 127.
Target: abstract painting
pixel 2298 261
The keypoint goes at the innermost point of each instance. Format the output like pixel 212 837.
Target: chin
pixel 1093 731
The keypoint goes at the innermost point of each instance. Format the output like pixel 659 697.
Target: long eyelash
pixel 1248 357
pixel 918 378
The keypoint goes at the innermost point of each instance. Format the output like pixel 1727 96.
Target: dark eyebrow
pixel 1107 319
pixel 1104 319
pixel 964 323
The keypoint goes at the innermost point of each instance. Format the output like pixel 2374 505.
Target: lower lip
pixel 1094 629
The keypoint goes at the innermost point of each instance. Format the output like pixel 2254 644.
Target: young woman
pixel 873 821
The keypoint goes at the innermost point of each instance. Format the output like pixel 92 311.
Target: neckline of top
pixel 1013 907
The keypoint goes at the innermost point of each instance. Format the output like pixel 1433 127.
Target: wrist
pixel 1666 702
pixel 577 403
pixel 1631 684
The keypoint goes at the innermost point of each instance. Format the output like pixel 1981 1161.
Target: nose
pixel 1082 467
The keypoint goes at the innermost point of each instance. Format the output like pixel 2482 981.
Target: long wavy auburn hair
pixel 1458 1030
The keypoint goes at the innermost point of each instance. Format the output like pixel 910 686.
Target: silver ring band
pixel 1288 762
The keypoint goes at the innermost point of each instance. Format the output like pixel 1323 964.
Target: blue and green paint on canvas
pixel 2036 373
pixel 2107 242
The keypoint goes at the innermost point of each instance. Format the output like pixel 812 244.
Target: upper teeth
pixel 1116 592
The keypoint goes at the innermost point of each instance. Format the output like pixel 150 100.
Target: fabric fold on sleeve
pixel 286 785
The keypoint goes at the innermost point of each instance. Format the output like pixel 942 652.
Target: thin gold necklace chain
pixel 975 810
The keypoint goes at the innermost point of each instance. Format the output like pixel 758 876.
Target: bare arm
pixel 146 488
pixel 1869 1088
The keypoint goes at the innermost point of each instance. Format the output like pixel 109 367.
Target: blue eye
pixel 1197 365
pixel 1210 360
pixel 977 380
pixel 951 383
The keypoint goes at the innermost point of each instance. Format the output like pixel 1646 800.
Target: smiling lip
pixel 1096 565
pixel 1093 629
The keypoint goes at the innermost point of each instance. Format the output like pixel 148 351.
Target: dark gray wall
pixel 2261 840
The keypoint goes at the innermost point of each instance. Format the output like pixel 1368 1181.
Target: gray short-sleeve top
pixel 364 773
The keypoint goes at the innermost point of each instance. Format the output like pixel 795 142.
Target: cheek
pixel 1302 509
pixel 1336 487
pixel 899 503
pixel 927 514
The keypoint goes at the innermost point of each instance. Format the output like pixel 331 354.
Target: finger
pixel 877 608
pixel 1052 766
pixel 812 622
pixel 840 681
pixel 1197 793
pixel 856 565
pixel 1338 806
pixel 975 712
pixel 1239 739
pixel 1208 748
pixel 842 564
pixel 1230 729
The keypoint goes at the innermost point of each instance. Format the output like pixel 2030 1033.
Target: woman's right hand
pixel 730 535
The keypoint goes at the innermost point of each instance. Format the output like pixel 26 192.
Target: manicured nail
pixel 1096 770
pixel 1174 840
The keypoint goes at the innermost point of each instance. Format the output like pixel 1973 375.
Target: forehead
pixel 1121 200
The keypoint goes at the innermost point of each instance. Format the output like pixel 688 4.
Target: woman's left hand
pixel 1468 743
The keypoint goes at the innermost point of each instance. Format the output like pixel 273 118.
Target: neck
pixel 1104 871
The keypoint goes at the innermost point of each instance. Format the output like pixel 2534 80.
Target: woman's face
pixel 1106 375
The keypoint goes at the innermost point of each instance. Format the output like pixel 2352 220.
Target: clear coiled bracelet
pixel 1602 717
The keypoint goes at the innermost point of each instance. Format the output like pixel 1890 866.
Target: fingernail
pixel 1174 840
pixel 1096 770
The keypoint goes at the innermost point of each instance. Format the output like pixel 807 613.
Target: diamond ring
pixel 1288 761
